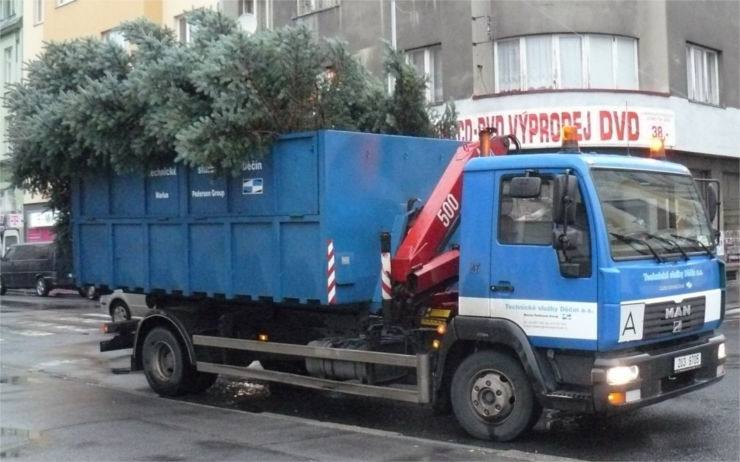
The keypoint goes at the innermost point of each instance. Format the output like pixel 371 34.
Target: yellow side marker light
pixel 441 329
pixel 263 337
pixel 616 398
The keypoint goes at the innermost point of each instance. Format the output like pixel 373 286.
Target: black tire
pixel 167 368
pixel 42 287
pixel 202 382
pixel 119 311
pixel 492 397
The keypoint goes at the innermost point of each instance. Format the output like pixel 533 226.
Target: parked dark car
pixel 38 266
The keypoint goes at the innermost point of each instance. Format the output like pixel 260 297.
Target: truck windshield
pixel 652 214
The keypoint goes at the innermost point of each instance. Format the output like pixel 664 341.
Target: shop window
pixel 428 63
pixel 560 61
pixel 702 74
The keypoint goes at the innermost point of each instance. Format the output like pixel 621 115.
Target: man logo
pixel 677 326
pixel 677 311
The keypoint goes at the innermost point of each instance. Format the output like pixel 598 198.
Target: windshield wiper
pixel 696 242
pixel 630 240
pixel 669 242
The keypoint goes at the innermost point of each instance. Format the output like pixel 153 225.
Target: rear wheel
pixel 119 311
pixel 42 287
pixel 492 397
pixel 91 293
pixel 167 368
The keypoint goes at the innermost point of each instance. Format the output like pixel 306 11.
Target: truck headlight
pixel 622 374
pixel 721 353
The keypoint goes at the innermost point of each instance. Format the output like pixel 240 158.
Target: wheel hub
pixel 492 395
pixel 164 361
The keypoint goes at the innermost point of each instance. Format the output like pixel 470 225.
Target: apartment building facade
pixel 624 71
pixel 11 51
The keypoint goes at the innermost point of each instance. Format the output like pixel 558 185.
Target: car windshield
pixel 651 214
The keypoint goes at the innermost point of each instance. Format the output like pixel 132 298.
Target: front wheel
pixel 167 368
pixel 42 287
pixel 492 397
pixel 119 311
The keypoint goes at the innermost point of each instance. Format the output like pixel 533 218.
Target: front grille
pixel 668 318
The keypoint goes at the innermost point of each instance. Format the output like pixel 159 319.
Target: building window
pixel 428 62
pixel 309 6
pixel 566 61
pixel 8 9
pixel 38 11
pixel 702 74
pixel 245 7
pixel 184 29
pixel 251 15
pixel 116 36
pixel 8 65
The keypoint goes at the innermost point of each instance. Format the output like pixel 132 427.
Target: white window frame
pixel 116 36
pixel 709 94
pixel 9 9
pixel 585 52
pixel 261 12
pixel 38 11
pixel 242 4
pixel 181 22
pixel 429 64
pixel 8 70
pixel 304 7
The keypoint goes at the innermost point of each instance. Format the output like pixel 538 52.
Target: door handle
pixel 502 286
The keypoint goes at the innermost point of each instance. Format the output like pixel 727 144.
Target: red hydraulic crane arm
pixel 418 253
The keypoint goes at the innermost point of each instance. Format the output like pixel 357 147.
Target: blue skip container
pixel 301 225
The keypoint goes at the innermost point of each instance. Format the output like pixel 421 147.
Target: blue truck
pixel 465 276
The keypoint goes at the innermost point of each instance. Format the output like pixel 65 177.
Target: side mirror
pixel 565 188
pixel 525 187
pixel 711 201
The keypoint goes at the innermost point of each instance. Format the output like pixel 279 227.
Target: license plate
pixel 683 363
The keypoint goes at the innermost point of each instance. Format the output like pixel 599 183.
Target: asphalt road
pixel 56 339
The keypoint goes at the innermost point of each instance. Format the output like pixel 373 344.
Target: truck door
pixel 551 294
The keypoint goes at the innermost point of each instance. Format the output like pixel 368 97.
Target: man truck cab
pixel 604 266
